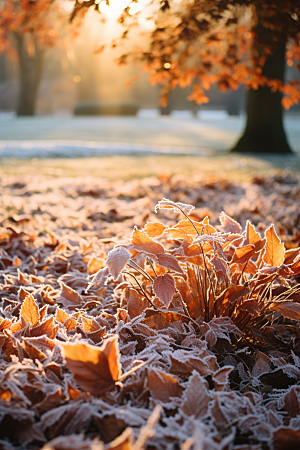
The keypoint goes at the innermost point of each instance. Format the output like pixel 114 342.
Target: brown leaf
pixel 117 259
pixel 275 251
pixel 291 401
pixel 220 378
pixel 290 310
pixel 68 297
pixel 122 442
pixel 169 262
pixel 95 369
pixel 164 288
pixel 286 439
pixel 136 303
pixel 196 398
pixel 44 327
pixel 33 352
pixel 262 364
pixel 163 386
pixel 154 229
pixel 30 310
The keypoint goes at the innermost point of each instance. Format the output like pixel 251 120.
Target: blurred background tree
pixel 224 43
pixel 27 29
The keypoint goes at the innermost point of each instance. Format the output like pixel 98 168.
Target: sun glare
pixel 116 7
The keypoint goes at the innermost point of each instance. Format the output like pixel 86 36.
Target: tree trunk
pixel 264 131
pixel 30 76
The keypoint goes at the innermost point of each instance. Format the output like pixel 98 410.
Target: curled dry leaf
pixel 177 207
pixel 95 369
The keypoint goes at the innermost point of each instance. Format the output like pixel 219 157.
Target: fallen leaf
pixel 95 369
pixel 163 386
pixel 30 310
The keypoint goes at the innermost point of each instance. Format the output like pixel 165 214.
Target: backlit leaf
pixel 143 243
pixel 275 251
pixel 164 288
pixel 154 229
pixel 95 369
pixel 30 310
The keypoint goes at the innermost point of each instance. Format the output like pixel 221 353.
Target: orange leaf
pixel 143 243
pixel 243 254
pixel 136 303
pixel 154 229
pixel 275 251
pixel 95 369
pixel 164 288
pixel 30 310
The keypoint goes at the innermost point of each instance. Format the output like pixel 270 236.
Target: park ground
pixel 129 147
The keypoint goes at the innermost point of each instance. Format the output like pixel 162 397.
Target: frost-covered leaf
pixel 68 296
pixel 164 288
pixel 196 397
pixel 30 310
pixel 117 259
pixel 95 369
pixel 143 243
pixel 169 262
pixel 177 207
pixel 163 386
pixel 229 225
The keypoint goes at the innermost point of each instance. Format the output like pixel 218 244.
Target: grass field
pixel 127 167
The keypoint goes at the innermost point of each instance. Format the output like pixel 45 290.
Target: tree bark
pixel 30 76
pixel 264 132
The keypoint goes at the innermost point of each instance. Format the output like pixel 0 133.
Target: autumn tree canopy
pixel 221 42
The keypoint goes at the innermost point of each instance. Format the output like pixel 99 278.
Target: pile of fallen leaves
pixel 176 334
